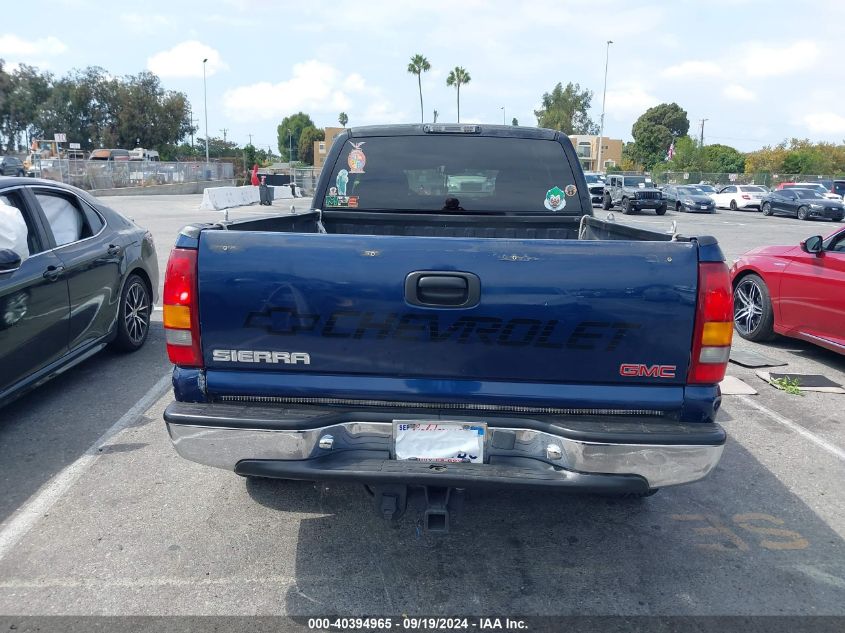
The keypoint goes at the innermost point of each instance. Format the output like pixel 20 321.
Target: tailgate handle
pixel 442 289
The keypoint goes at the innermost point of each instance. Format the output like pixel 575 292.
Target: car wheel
pixel 626 206
pixel 767 209
pixel 605 203
pixel 802 213
pixel 133 317
pixel 661 210
pixel 20 173
pixel 754 318
pixel 733 205
pixel 838 218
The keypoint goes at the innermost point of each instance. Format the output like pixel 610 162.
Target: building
pixel 587 148
pixel 321 148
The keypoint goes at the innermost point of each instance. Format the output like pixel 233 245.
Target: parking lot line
pixel 831 448
pixel 30 512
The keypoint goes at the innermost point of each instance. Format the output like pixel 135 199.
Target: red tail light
pixel 745 196
pixel 713 325
pixel 181 309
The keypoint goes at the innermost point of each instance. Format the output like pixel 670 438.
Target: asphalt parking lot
pixel 100 516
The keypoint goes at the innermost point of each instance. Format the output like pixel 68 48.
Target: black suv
pixel 11 166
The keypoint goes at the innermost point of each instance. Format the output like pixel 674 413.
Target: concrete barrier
pixel 171 189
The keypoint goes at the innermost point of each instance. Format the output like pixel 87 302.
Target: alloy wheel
pixel 136 311
pixel 748 306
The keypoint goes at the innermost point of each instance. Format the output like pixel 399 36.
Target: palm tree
pixel 342 119
pixel 417 66
pixel 456 78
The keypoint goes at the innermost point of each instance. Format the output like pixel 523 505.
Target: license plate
pixel 455 442
pixel 703 206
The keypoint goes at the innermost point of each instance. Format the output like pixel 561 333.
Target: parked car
pixel 688 198
pixel 11 166
pixel 75 276
pixel 595 184
pixel 632 194
pixel 838 187
pixel 815 186
pixel 735 197
pixel 706 188
pixel 577 354
pixel 804 204
pixel 796 291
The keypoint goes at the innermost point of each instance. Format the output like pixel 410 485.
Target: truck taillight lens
pixel 713 325
pixel 181 309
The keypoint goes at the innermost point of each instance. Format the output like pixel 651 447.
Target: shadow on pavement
pixel 52 426
pixel 736 543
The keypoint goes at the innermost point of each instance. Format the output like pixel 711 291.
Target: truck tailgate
pixel 284 307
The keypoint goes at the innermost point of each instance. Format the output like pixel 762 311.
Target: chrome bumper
pixel 660 465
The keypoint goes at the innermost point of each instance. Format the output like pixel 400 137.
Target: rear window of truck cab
pixel 453 174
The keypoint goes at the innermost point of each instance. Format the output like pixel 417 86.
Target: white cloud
pixel 629 100
pixel 738 93
pixel 693 68
pixel 824 123
pixel 185 60
pixel 314 87
pixel 14 47
pixel 759 60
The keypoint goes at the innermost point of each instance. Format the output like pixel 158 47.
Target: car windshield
pixel 691 191
pixel 593 179
pixel 453 173
pixel 638 181
pixel 808 194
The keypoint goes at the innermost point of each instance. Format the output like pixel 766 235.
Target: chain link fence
pixel 89 174
pixel 762 178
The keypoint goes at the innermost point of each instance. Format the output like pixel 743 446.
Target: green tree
pixel 342 119
pixel 417 66
pixel 250 157
pixel 723 159
pixel 458 77
pixel 306 143
pixel 688 156
pixel 289 131
pixel 218 148
pixel 566 110
pixel 21 94
pixel 514 121
pixel 655 130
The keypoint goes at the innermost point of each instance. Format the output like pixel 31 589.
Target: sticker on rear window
pixel 356 159
pixel 341 201
pixel 554 199
pixel 340 181
pixel 570 190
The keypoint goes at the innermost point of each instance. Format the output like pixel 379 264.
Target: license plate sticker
pixel 454 442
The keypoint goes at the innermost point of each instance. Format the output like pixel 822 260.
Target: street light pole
pixel 290 156
pixel 603 97
pixel 205 106
pixel 503 115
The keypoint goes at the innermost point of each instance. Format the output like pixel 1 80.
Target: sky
pixel 759 71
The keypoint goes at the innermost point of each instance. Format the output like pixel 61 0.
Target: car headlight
pixel 814 205
pixel 687 201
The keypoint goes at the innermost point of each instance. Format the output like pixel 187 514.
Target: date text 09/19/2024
pixel 406 623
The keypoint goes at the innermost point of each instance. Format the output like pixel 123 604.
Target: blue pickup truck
pixel 449 314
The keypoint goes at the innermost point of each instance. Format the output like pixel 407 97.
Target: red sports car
pixel 796 291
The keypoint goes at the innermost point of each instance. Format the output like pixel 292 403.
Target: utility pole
pixel 435 116
pixel 250 138
pixel 193 120
pixel 224 130
pixel 701 138
pixel 205 107
pixel 503 114
pixel 603 97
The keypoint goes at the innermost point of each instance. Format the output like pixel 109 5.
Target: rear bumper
pixel 590 454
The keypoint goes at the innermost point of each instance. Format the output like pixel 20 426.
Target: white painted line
pixel 833 449
pixel 16 527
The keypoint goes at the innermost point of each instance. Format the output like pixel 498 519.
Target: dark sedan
pixel 804 204
pixel 11 166
pixel 688 198
pixel 75 276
